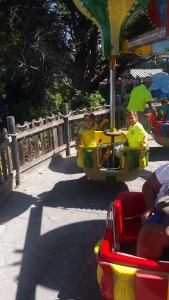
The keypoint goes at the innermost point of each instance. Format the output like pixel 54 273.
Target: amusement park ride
pixel 121 274
pixel 112 17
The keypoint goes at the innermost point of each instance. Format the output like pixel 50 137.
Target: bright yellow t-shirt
pixel 88 137
pixel 139 96
pixel 135 134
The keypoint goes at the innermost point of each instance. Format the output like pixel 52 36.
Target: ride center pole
pixel 112 92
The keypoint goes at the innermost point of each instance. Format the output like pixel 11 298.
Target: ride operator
pixel 139 97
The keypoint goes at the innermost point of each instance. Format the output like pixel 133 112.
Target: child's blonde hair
pixel 132 112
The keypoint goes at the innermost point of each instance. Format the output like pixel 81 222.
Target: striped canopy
pixel 157 12
pixel 111 17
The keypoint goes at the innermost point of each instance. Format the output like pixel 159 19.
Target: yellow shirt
pixel 135 134
pixel 88 136
pixel 139 96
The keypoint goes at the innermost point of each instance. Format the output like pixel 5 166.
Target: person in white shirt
pixel 154 235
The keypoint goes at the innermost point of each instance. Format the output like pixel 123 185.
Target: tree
pixel 31 42
pixel 50 52
pixel 85 67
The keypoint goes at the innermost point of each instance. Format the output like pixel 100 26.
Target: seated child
pixel 136 135
pixel 160 110
pixel 165 116
pixel 86 136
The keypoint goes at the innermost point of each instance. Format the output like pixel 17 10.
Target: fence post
pixel 66 127
pixel 14 146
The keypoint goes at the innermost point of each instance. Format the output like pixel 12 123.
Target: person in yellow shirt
pixel 86 136
pixel 139 97
pixel 136 135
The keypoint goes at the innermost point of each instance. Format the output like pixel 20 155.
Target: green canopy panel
pixel 111 17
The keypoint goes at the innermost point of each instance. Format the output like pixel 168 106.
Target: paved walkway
pixel 49 227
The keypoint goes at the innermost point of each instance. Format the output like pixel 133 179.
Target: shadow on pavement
pixel 74 263
pixel 67 165
pixel 62 262
pixel 57 265
pixel 82 193
pixel 145 174
pixel 159 154
pixel 17 203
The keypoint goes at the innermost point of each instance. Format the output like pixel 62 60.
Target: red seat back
pixel 151 119
pixel 128 208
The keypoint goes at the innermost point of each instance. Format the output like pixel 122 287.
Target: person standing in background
pixel 160 110
pixel 165 115
pixel 139 97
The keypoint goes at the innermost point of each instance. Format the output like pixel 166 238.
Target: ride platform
pixel 127 167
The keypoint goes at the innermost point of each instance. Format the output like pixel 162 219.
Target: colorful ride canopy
pixel 157 12
pixel 111 17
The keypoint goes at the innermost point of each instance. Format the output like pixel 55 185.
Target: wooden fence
pixel 24 147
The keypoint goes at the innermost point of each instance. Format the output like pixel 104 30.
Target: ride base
pixel 126 168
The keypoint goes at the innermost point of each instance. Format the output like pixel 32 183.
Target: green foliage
pixel 51 54
pixel 81 100
pixel 96 99
pixel 56 99
pixel 64 93
pixel 60 93
pixel 2 90
pixel 23 111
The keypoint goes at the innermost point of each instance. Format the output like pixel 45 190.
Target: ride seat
pixel 128 208
pixel 135 157
pixel 150 118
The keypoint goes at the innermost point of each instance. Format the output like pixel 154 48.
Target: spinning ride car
pixel 159 129
pixel 120 273
pixel 161 132
pixel 111 17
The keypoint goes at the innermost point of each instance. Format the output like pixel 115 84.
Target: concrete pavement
pixel 49 227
